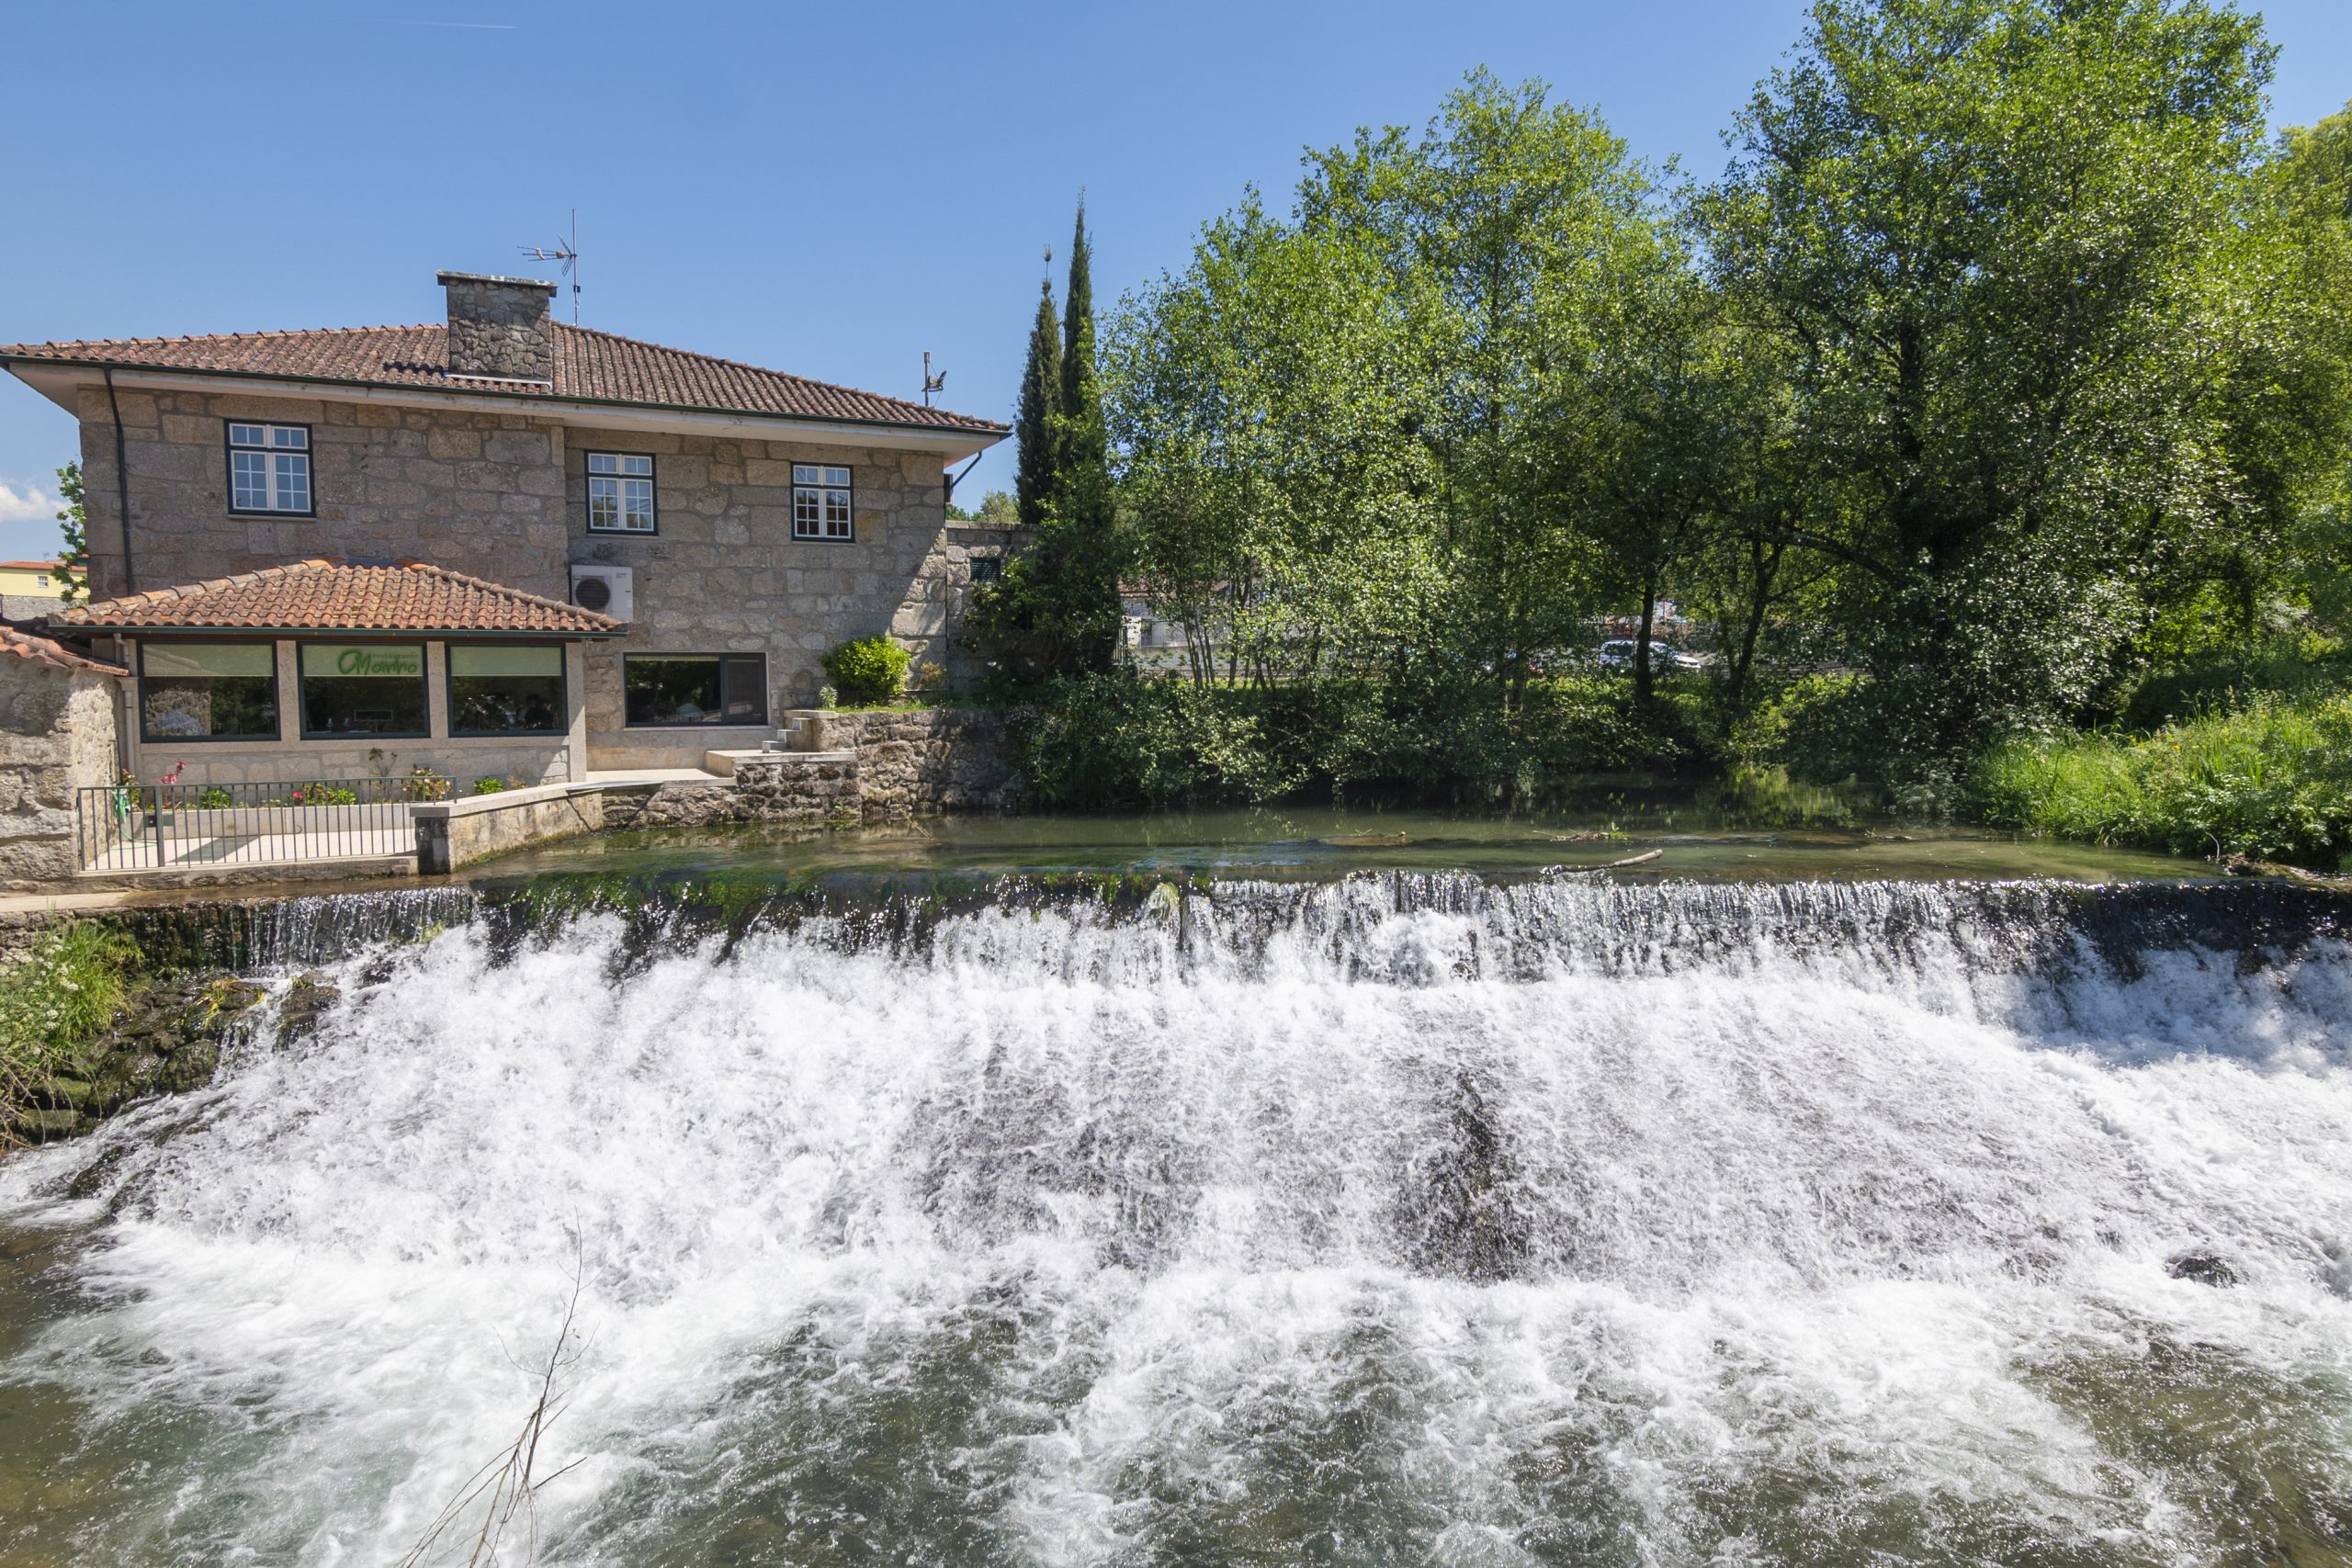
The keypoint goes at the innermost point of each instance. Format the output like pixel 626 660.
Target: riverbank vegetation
pixel 2004 375
pixel 56 997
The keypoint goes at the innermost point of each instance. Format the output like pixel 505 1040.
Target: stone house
pixel 713 527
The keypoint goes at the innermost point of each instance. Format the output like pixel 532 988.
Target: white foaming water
pixel 1401 1221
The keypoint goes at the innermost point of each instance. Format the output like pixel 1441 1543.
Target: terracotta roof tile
pixel 591 365
pixel 47 650
pixel 324 595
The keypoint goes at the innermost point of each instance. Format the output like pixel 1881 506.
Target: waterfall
pixel 1407 1219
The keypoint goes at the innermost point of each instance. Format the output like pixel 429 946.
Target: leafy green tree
pixel 2003 242
pixel 1501 229
pixel 997 507
pixel 2312 178
pixel 74 525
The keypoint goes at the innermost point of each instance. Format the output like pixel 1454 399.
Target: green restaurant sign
pixel 364 659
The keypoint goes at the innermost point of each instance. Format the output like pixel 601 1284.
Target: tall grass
pixel 55 998
pixel 2271 780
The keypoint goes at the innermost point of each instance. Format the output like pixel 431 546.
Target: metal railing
pixel 130 827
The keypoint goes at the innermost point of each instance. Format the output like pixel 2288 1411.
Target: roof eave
pixel 443 633
pixel 960 441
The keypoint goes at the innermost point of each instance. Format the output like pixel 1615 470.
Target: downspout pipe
pixel 121 486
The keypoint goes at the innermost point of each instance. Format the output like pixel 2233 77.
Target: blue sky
pixel 830 190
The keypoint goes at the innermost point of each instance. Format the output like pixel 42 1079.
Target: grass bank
pixel 2270 779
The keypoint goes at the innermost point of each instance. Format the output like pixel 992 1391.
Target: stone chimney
pixel 499 327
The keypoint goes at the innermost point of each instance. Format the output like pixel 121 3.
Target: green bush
pixel 57 997
pixel 1813 726
pixel 492 786
pixel 1118 740
pixel 2271 780
pixel 867 670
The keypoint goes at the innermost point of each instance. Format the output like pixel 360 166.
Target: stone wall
pixel 57 736
pixel 931 761
pixel 459 832
pixel 723 574
pixel 478 493
pixel 870 767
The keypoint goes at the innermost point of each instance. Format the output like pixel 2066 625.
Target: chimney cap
pixel 447 278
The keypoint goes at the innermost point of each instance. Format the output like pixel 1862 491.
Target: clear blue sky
pixel 826 189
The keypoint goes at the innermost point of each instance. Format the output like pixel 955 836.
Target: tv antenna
pixel 930 383
pixel 568 253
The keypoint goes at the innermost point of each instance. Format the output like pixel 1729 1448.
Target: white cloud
pixel 26 503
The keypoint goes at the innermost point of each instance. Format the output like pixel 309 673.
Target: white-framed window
pixel 620 493
pixel 269 467
pixel 821 506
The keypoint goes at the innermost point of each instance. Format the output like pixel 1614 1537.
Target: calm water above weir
pixel 1705 838
pixel 1416 1217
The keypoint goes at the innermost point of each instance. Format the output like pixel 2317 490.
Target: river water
pixel 1411 1218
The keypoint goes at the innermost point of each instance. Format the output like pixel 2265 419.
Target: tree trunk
pixel 1643 678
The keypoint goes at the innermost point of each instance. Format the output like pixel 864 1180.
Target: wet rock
pixel 2202 1268
pixel 306 999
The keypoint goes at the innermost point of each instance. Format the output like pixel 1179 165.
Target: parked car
pixel 1617 656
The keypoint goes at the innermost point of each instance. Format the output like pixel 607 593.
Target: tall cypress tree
pixel 1086 568
pixel 1038 423
pixel 1084 443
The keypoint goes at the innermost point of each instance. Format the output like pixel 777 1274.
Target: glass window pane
pixel 293 482
pixel 208 691
pixel 506 691
pixel 220 707
pixel 745 680
pixel 498 659
pixel 363 689
pixel 637 465
pixel 246 434
pixel 285 436
pixel 208 659
pixel 804 474
pixel 662 689
pixel 603 463
pixel 837 475
pixel 249 473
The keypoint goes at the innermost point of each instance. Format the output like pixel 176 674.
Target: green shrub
pixel 867 670
pixel 59 997
pixel 2271 780
pixel 1118 740
pixel 492 786
pixel 1813 726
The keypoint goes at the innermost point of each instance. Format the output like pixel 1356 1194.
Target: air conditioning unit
pixel 606 589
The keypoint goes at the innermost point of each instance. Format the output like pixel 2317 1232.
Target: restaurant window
pixel 620 493
pixel 269 467
pixel 506 690
pixel 820 508
pixel 208 691
pixel 362 688
pixel 695 688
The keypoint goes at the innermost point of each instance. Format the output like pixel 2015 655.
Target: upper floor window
pixel 620 493
pixel 821 502
pixel 269 467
